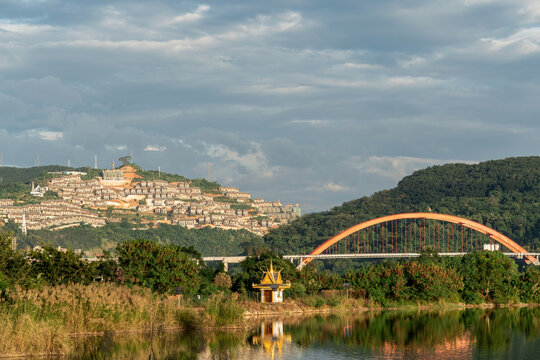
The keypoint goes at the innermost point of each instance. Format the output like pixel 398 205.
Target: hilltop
pixel 503 194
pixel 126 202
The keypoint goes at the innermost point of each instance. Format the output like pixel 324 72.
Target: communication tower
pixel 95 161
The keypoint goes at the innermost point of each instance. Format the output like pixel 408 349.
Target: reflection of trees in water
pixel 389 332
pixel 190 345
pixel 434 331
pixel 493 329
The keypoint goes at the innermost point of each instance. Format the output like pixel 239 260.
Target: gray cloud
pixel 307 102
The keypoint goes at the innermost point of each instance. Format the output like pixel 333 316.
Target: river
pixel 458 334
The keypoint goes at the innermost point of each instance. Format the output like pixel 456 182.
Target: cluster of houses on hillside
pixel 49 214
pixel 177 203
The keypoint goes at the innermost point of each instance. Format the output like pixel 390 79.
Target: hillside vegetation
pixel 502 194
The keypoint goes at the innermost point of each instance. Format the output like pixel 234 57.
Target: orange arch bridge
pixel 492 234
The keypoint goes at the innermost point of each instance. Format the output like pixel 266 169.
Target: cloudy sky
pixel 309 102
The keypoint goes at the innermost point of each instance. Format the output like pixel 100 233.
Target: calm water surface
pixel 467 334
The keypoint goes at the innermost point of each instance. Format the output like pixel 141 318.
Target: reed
pixel 224 310
pixel 41 321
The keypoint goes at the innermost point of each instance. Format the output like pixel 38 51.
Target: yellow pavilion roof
pixel 272 277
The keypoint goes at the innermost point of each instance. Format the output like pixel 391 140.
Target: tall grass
pixel 224 310
pixel 41 321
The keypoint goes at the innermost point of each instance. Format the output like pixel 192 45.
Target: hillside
pixel 93 209
pixel 503 194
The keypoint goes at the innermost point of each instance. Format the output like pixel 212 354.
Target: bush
pixel 297 290
pixel 315 301
pixel 4 289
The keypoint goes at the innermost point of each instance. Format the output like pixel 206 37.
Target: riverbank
pixel 47 321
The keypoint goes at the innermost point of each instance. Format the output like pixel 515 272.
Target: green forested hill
pixel 208 241
pixel 502 194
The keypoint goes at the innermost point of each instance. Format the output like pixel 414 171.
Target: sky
pixel 307 102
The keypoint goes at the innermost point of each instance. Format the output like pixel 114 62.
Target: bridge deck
pixel 237 259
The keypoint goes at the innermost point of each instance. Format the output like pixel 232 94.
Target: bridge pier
pixel 225 266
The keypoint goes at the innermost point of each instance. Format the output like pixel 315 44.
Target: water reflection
pixel 467 334
pixel 271 338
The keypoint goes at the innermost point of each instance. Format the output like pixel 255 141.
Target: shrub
pixel 297 290
pixel 315 301
pixel 4 289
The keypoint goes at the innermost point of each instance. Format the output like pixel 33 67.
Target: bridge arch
pixel 491 233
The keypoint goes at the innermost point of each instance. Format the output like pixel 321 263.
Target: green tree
pixel 490 275
pixel 529 285
pixel 60 267
pixel 158 267
pixel 13 264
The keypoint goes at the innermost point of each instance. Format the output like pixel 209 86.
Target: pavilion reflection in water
pixel 271 338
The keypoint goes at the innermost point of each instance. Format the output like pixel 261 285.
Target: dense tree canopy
pixel 502 194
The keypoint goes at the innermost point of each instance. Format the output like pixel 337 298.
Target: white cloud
pixel 352 65
pixel 155 148
pixel 193 16
pixel 25 29
pixel 524 42
pixel 396 167
pixel 333 187
pixel 265 25
pixel 166 46
pixel 253 160
pixel 51 135
pixel 44 134
pixel 411 81
pixel 280 90
pixel 116 147
pixel 312 122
